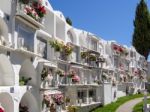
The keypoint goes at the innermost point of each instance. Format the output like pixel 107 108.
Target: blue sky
pixel 109 19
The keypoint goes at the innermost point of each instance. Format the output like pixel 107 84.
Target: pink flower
pixel 76 78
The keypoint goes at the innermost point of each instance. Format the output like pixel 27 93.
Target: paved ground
pixel 128 106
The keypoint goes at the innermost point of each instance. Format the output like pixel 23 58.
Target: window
pixel 42 47
pixel 25 38
pixel 93 45
pixel 91 93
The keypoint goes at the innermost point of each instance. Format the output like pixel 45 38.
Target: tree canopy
pixel 141 35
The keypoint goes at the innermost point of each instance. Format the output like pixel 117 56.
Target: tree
pixel 141 36
pixel 68 20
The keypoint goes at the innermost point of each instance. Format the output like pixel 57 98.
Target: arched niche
pixel 7 102
pixel 3 32
pixel 71 36
pixel 27 70
pixel 82 40
pixel 29 101
pixel 7 75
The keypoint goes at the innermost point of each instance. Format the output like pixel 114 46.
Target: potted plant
pixel 39 9
pixel 83 55
pixel 58 98
pixel 24 81
pixel 44 74
pixel 67 100
pixel 46 101
pixel 72 108
pixel 67 50
pixel 76 79
pixel 60 73
pixel 104 76
pixel 31 12
pixel 71 74
pixel 92 57
pixel 56 45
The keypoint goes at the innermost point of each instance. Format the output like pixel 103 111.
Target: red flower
pixel 42 9
pixel 115 47
pixel 120 49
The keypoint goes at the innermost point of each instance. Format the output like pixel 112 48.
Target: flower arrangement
pixel 72 108
pixel 115 47
pixel 60 72
pixel 67 100
pixel 98 82
pixel 83 55
pixel 71 73
pixel 31 12
pixel 125 51
pixel 76 78
pixel 67 49
pixel 35 9
pixel 46 100
pixel 56 45
pixel 39 9
pixel 58 98
pixel 120 50
pixel 44 74
pixel 104 76
pixel 92 57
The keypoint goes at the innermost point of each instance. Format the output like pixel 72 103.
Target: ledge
pixel 6 48
pixel 28 53
pixel 28 20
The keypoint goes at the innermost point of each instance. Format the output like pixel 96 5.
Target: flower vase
pixel 60 79
pixel 57 55
pixel 58 108
pixel 42 20
pixel 70 80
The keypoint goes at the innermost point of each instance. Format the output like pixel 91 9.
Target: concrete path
pixel 128 106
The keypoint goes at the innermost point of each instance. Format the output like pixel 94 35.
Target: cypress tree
pixel 68 20
pixel 141 36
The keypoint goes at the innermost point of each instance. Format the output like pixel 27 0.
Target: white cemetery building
pixel 47 65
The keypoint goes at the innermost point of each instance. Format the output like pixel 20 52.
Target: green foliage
pixel 113 106
pixel 83 55
pixel 92 57
pixel 44 74
pixel 24 1
pixel 68 20
pixel 56 45
pixel 141 36
pixel 24 81
pixel 138 107
pixel 72 108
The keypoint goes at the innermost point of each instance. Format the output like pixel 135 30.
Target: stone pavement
pixel 128 106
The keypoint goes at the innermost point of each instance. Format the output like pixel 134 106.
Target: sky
pixel 108 19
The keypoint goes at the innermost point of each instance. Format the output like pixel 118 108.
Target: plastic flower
pixel 76 78
pixel 115 47
pixel 58 98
